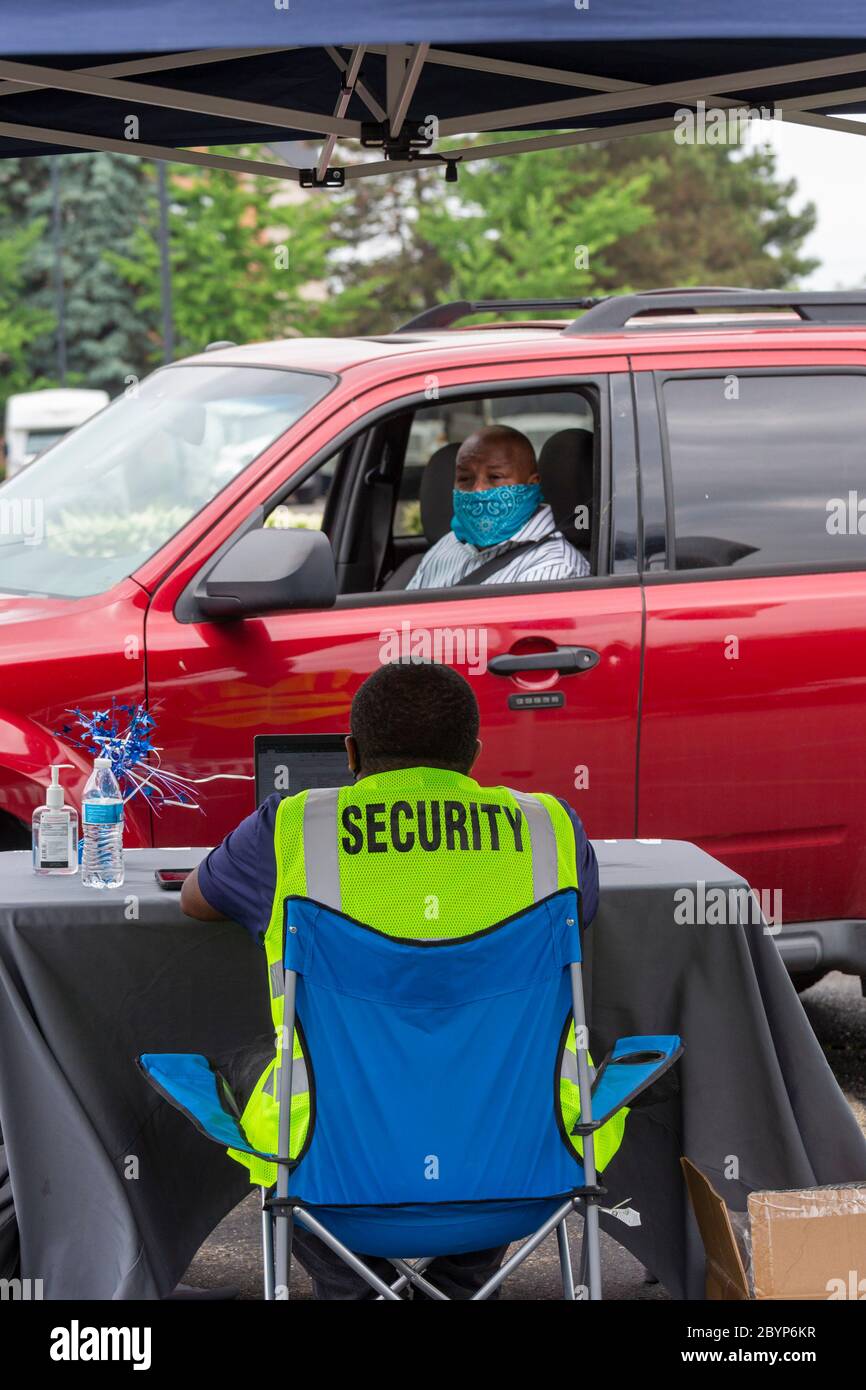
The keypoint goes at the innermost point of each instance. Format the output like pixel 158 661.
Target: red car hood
pixel 26 608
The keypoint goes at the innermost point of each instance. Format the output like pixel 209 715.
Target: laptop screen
pixel 290 763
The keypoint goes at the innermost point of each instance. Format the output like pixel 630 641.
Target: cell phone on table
pixel 171 879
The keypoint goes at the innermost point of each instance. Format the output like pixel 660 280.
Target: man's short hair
pixel 415 714
pixel 503 437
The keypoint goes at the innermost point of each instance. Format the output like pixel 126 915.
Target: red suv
pixel 231 540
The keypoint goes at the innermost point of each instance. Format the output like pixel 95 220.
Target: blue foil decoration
pixel 122 734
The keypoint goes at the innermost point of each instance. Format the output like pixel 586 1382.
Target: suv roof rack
pixel 614 312
pixel 443 315
pixel 608 313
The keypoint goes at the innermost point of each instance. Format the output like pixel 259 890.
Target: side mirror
pixel 271 570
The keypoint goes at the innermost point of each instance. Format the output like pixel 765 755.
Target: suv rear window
pixel 767 470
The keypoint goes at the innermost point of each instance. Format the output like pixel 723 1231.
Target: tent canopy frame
pixel 392 126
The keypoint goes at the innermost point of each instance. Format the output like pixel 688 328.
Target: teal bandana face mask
pixel 495 515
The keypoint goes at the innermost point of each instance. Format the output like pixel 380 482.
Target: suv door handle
pixel 568 661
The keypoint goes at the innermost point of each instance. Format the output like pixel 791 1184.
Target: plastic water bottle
pixel 102 828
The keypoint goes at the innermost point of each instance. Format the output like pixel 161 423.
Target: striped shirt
pixel 554 557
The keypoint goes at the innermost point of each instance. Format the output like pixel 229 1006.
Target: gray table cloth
pixel 113 1191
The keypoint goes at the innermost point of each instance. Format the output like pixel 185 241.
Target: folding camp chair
pixel 434 1071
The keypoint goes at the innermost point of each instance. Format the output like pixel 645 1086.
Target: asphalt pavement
pixel 837 1012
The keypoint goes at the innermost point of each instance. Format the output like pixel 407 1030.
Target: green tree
pixel 241 259
pixel 383 268
pixel 535 228
pixel 20 319
pixel 251 261
pixel 721 215
pixel 648 211
pixel 103 202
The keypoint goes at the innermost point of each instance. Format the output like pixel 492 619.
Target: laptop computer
pixel 290 763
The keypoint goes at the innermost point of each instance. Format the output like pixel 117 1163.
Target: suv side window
pixel 765 470
pixel 367 494
pixel 305 507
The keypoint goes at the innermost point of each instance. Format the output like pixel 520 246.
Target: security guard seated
pixel 424 851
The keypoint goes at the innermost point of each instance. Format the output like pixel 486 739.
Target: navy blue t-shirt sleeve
pixel 239 877
pixel 587 865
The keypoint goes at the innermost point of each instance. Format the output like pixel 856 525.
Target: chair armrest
pixel 191 1083
pixel 629 1068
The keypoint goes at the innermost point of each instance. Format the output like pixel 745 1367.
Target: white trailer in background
pixel 37 419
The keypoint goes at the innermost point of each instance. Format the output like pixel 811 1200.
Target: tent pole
pixel 144 94
pixel 76 140
pixel 59 286
pixel 164 266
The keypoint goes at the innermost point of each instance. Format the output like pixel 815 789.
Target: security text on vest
pixel 431 825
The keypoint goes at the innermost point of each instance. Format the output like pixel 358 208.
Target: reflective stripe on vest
pixel 321 860
pixel 300 1079
pixel 542 840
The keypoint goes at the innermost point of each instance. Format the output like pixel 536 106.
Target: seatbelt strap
pixel 478 576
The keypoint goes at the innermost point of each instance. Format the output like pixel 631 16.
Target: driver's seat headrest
pixel 566 469
pixel 437 485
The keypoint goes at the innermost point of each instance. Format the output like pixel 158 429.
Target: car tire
pixel 807 980
pixel 13 834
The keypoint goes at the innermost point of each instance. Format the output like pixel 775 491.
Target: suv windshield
pixel 105 498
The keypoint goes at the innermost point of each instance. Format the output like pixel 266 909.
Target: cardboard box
pixel 802 1243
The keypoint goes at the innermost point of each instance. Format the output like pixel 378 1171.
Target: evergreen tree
pixel 103 200
pixel 20 320
pixel 721 215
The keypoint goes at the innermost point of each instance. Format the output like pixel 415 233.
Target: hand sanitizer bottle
pixel 55 831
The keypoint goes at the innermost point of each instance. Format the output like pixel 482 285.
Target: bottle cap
pixel 102 762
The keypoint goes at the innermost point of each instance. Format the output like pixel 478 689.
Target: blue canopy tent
pixel 218 72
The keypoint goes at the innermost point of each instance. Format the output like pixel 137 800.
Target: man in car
pixel 501 524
